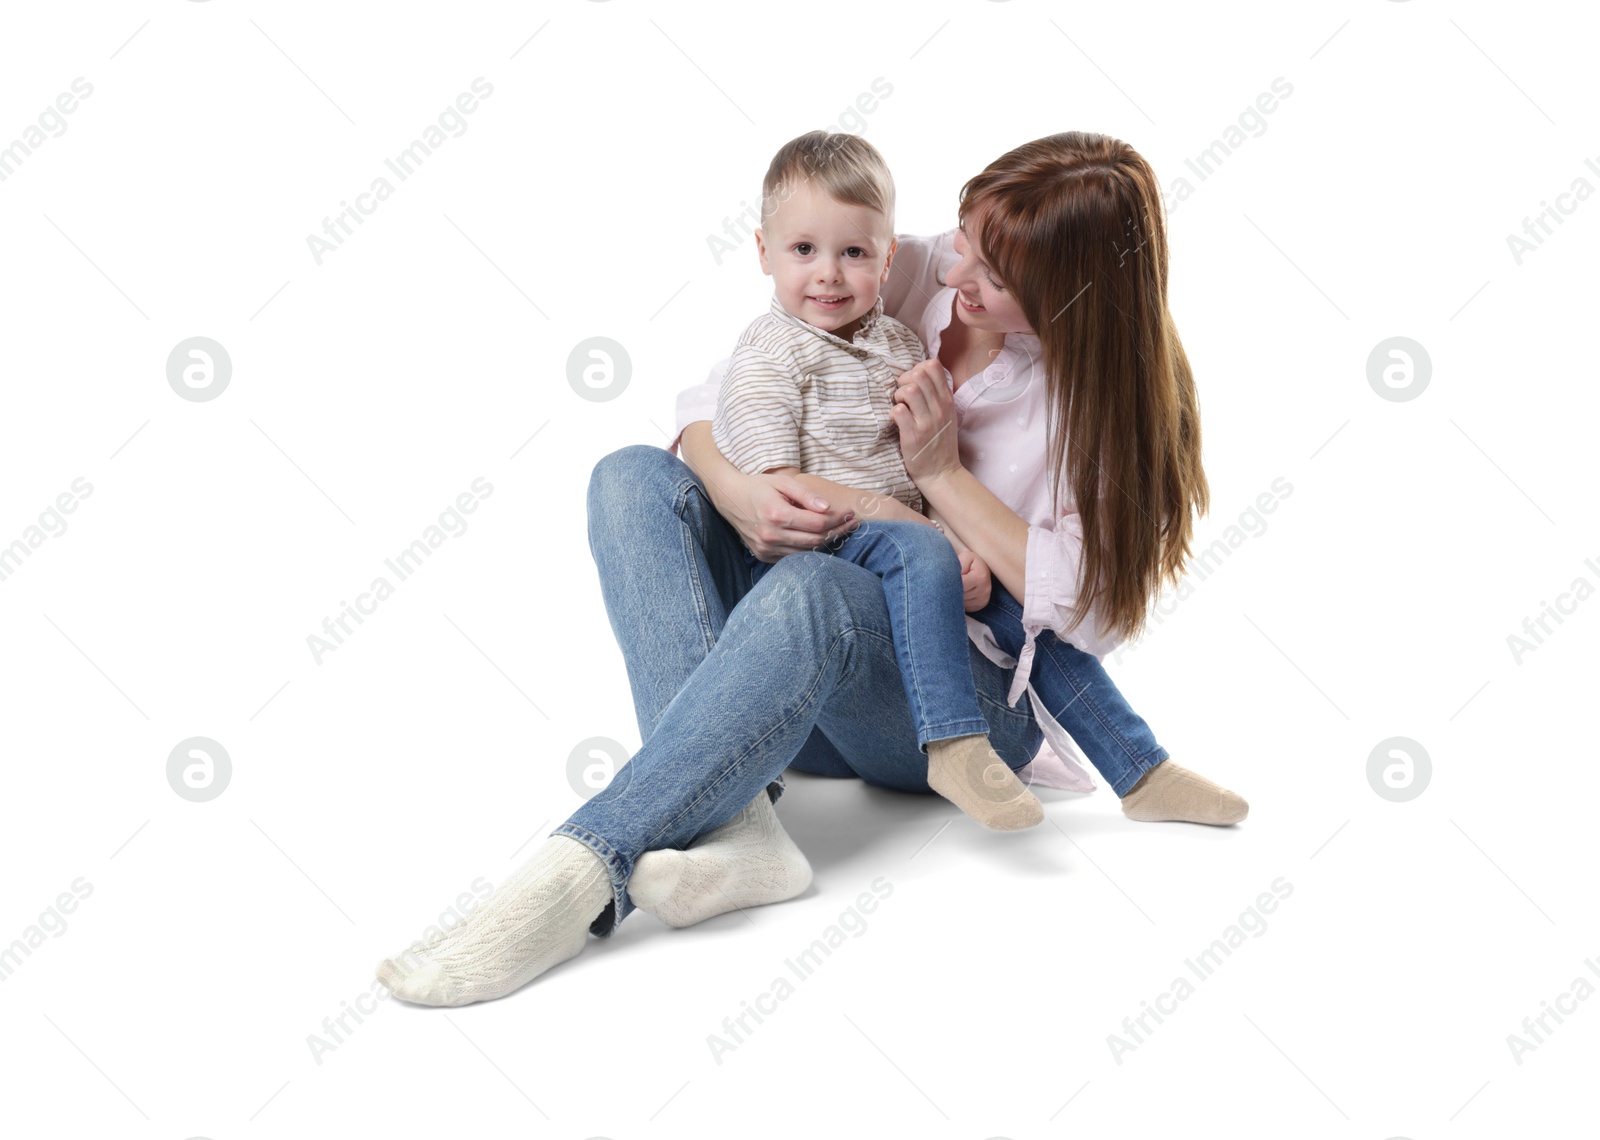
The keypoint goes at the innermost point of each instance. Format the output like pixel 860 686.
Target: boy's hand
pixel 976 582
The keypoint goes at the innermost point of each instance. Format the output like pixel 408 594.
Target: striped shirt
pixel 795 395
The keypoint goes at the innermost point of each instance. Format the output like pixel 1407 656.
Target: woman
pixel 1072 388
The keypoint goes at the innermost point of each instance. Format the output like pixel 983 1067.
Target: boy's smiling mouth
pixel 830 301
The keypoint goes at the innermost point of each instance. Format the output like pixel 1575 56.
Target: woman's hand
pixel 775 514
pixel 976 581
pixel 924 411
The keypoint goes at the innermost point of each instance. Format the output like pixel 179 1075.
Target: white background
pixel 431 349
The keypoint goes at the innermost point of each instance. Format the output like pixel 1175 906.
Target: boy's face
pixel 827 259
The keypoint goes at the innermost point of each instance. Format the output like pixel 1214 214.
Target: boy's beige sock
pixel 1168 792
pixel 969 773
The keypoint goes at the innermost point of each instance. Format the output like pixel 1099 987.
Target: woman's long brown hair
pixel 1073 226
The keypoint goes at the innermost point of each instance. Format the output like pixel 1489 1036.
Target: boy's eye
pixel 805 248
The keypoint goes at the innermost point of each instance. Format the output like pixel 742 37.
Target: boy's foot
pixel 536 919
pixel 969 773
pixel 748 861
pixel 1168 792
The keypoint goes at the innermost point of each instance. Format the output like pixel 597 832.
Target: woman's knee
pixel 831 593
pixel 630 474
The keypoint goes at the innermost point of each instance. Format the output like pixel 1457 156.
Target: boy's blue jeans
pixel 735 678
pixel 922 587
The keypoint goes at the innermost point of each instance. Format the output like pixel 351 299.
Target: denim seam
pixel 963 728
pixel 905 602
pixel 609 856
pixel 905 596
pixel 1140 770
pixel 961 723
pixel 701 607
pixel 601 847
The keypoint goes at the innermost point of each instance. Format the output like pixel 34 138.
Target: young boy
pixel 809 391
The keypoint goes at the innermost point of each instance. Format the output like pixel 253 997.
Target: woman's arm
pixel 865 504
pixel 1039 566
pixel 774 514
pixel 924 414
pixel 979 521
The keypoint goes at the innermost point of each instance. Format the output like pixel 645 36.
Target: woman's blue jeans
pixel 921 579
pixel 735 679
pixel 1078 693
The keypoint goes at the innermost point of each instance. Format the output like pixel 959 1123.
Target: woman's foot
pixel 748 861
pixel 969 773
pixel 1168 792
pixel 538 918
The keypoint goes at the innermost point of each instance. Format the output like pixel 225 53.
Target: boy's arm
pixel 756 425
pixel 944 525
pixel 866 504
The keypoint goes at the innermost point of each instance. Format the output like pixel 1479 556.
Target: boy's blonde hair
pixel 843 166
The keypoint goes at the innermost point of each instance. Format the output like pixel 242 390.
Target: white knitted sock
pixel 748 861
pixel 537 918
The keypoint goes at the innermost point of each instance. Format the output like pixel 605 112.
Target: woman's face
pixel 982 299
